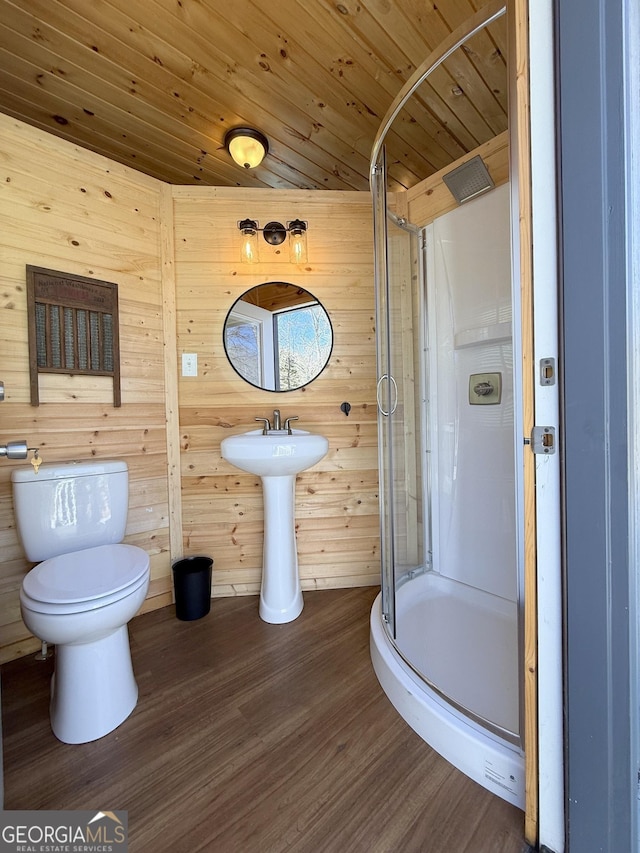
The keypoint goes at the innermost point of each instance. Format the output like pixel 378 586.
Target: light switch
pixel 189 363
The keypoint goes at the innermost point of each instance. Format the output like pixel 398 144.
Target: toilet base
pixel 93 689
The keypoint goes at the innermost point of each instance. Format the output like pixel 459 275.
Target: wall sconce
pixel 248 147
pixel 275 234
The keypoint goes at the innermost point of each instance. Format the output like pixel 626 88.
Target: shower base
pixel 431 605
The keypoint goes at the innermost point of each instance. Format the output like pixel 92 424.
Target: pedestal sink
pixel 276 457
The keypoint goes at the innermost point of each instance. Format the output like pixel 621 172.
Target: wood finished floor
pixel 254 738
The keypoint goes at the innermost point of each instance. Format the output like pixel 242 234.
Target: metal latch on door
pixel 543 440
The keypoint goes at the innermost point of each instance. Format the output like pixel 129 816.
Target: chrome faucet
pixel 277 423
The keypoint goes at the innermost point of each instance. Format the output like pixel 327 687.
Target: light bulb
pixel 297 242
pixel 249 241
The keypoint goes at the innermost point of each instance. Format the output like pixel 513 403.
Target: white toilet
pixel 72 516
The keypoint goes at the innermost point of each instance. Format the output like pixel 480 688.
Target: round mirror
pixel 278 337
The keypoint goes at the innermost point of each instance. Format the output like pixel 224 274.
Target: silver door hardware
pixel 547 371
pixel 543 439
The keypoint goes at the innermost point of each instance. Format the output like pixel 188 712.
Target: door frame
pixel 599 354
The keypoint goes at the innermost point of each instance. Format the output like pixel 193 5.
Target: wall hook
pixel 346 408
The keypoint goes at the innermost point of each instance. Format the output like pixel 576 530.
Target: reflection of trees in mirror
pixel 303 337
pixel 243 348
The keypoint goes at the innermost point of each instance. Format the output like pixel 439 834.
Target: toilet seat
pixel 85 580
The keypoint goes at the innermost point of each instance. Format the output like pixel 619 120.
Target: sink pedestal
pixel 280 594
pixel 276 456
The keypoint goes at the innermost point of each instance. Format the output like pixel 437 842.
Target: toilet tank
pixel 69 506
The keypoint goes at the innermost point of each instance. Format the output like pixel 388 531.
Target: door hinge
pixel 543 439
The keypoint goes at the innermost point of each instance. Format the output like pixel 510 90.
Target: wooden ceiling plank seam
pixel 490 65
pixel 100 129
pixel 311 60
pixel 260 95
pixel 466 130
pixel 478 95
pixel 486 88
pixel 427 47
pixel 128 153
pixel 480 124
pixel 481 133
pixel 489 46
pixel 226 164
pixel 456 12
pixel 25 52
pixel 378 72
pixel 233 172
pixel 475 105
pixel 427 151
pixel 437 152
pixel 498 33
pixel 459 141
pixel 285 170
pixel 25 110
pixel 286 91
pixel 443 82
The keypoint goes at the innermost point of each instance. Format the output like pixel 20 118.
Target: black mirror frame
pixel 244 378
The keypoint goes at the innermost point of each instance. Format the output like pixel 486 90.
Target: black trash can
pixel 192 587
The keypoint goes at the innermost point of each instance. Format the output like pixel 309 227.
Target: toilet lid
pixel 86 575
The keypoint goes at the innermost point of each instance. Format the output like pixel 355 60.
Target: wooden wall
pixel 337 500
pixel 67 209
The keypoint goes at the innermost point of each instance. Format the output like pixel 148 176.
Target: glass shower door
pixel 401 396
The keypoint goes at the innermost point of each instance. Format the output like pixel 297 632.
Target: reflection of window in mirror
pixel 278 336
pixel 303 344
pixel 249 343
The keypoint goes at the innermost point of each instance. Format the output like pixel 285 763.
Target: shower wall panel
pixel 469 284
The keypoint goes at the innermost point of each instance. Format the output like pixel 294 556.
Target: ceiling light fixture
pixel 248 147
pixel 274 233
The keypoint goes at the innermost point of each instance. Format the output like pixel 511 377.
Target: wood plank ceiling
pixel 155 84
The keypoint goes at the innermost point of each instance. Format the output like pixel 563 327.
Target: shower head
pixel 469 180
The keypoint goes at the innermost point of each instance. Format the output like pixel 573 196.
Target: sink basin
pixel 276 454
pixel 277 457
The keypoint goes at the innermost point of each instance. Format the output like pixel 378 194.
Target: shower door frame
pixel 384 385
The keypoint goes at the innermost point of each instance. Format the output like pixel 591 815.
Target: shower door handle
pixel 393 407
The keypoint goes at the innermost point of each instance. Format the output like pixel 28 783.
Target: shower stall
pixel 446 629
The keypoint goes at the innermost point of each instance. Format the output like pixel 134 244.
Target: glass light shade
pixel 249 241
pixel 248 151
pixel 298 242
